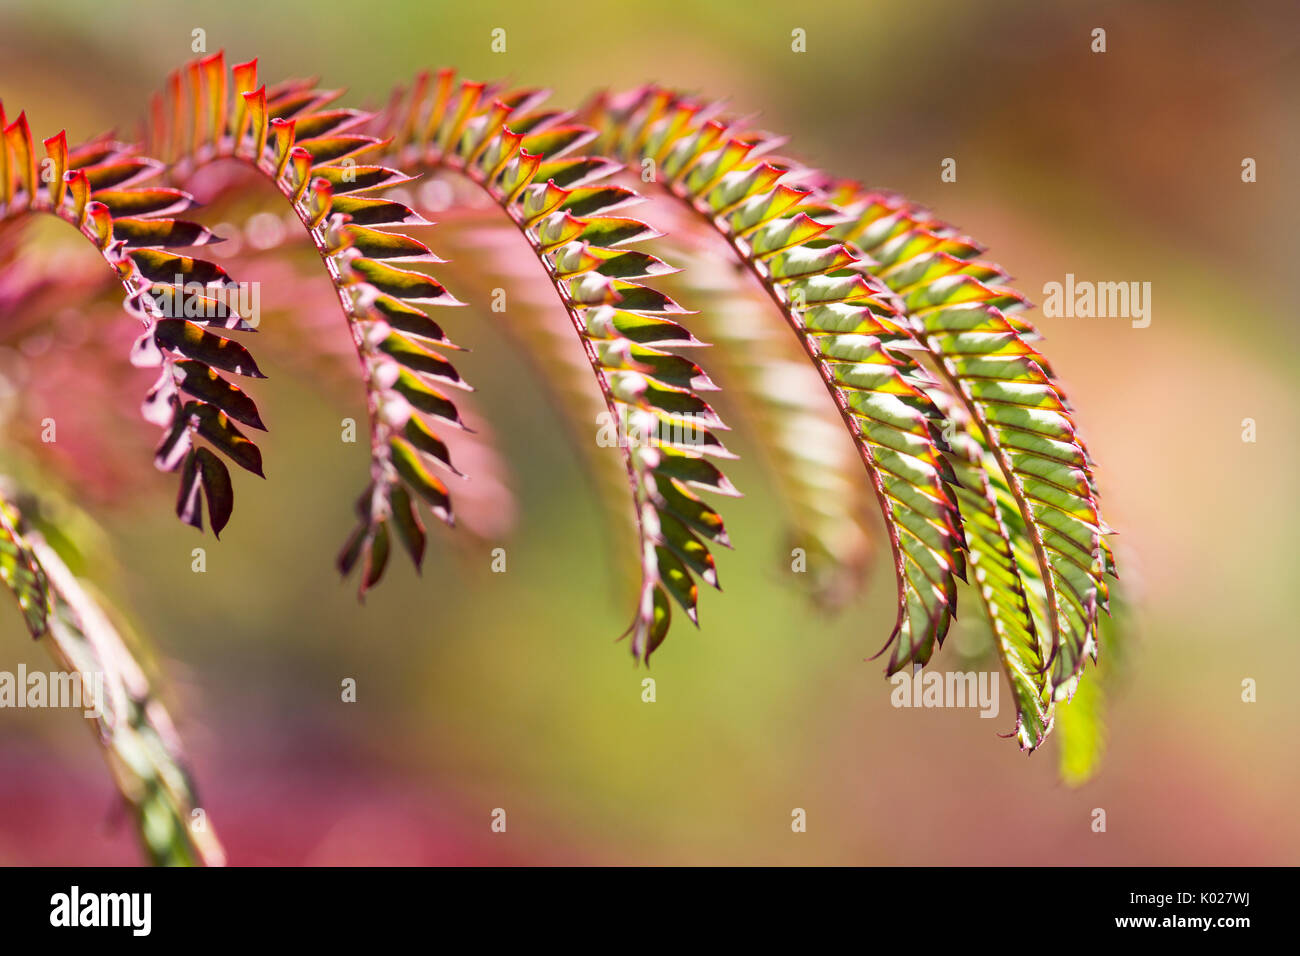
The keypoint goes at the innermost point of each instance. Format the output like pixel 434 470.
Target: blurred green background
pixel 480 690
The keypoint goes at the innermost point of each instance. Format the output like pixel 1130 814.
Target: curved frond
pixel 967 320
pixel 529 161
pixel 102 189
pixel 843 318
pixel 326 171
pixel 132 725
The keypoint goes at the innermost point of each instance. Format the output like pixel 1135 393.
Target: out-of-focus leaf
pixel 129 720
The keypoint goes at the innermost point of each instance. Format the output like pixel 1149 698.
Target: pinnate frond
pixel 102 188
pixel 968 321
pixel 1023 480
pixel 843 318
pixel 530 161
pixel 312 153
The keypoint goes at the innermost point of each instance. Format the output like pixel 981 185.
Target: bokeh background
pixel 481 690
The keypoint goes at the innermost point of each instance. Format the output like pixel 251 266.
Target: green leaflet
pixel 216 427
pixel 376 212
pixel 411 387
pixel 423 437
pixel 400 283
pixel 144 202
pixel 159 266
pixel 206 348
pixel 564 375
pixel 161 233
pixel 360 179
pixel 205 384
pixel 419 359
pixel 407 318
pixel 388 245
pixel 124 172
pixel 408 464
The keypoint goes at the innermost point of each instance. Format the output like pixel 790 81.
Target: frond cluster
pixel 967 442
pixel 922 346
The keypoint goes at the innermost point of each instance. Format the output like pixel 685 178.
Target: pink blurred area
pixel 309 806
